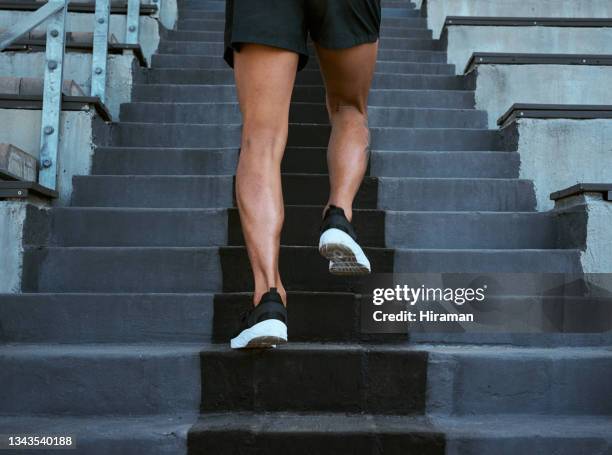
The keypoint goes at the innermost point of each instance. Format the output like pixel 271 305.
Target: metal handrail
pixel 55 12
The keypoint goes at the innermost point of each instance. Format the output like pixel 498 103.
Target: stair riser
pixel 215 62
pixel 148 161
pixel 456 195
pixel 323 443
pixel 99 385
pixel 197 228
pixel 470 230
pixel 518 261
pixel 217 36
pixel 216 14
pixel 302 113
pixel 184 192
pixel 445 164
pixel 381 98
pixel 384 164
pixel 537 384
pixel 107 318
pixel 341 321
pixel 210 23
pixel 188 192
pixel 226 77
pixel 237 272
pixel 303 135
pixel 122 270
pixel 383 382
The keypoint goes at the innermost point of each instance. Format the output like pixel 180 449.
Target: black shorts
pixel 334 24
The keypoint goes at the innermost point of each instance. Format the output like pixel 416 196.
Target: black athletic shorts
pixel 334 24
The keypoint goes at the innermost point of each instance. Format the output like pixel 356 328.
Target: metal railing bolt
pixel 98 70
pixel 54 33
pixel 52 64
pixel 47 162
pixel 100 20
pixel 132 28
pixel 49 130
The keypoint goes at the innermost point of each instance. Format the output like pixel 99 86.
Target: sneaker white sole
pixel 345 256
pixel 265 334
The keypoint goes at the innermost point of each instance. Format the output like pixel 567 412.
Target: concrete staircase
pixel 121 335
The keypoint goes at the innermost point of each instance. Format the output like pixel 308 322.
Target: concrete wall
pixel 465 40
pixel 76 141
pixel 559 153
pixel 83 22
pixel 500 86
pixel 77 68
pixel 596 257
pixel 12 219
pixel 438 10
pixel 168 14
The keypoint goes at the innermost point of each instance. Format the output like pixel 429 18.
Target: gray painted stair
pixel 112 340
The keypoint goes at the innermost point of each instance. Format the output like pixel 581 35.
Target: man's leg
pixel 264 80
pixel 348 75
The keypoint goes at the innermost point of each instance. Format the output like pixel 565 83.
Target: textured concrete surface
pixel 500 86
pixel 75 146
pixel 557 153
pixel 83 22
pixel 438 10
pixel 587 218
pixel 464 40
pixel 78 68
pixel 12 218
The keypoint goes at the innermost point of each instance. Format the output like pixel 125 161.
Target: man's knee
pixel 338 105
pixel 266 141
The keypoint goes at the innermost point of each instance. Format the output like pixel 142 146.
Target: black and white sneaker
pixel 264 325
pixel 338 243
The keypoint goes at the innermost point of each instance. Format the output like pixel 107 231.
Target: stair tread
pixel 167 349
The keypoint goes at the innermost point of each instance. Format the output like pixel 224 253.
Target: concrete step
pixel 215 62
pixel 236 276
pixel 153 191
pixel 445 164
pixel 304 135
pixel 315 377
pixel 313 316
pixel 218 113
pixel 200 191
pixel 237 273
pixel 207 62
pixel 164 161
pixel 77 226
pixel 466 230
pixel 106 318
pixel 100 435
pixel 448 194
pixel 487 261
pixel 364 434
pixel 135 270
pixel 217 48
pixel 211 23
pixel 307 160
pixel 218 35
pixel 305 77
pixel 99 379
pixel 387 13
pixel 192 93
pixel 519 380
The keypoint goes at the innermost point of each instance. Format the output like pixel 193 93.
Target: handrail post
pixel 132 22
pixel 52 96
pixel 100 50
